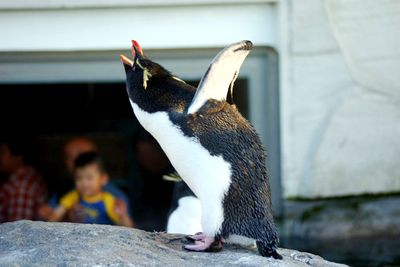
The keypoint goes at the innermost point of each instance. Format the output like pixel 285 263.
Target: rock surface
pixel 27 243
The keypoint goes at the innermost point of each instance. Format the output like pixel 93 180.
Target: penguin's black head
pixel 151 86
pixel 140 71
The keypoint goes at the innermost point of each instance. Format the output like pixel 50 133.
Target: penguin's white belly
pixel 207 176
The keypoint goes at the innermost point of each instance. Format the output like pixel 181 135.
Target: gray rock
pixel 27 243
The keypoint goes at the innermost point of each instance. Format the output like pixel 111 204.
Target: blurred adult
pixel 156 192
pixel 23 191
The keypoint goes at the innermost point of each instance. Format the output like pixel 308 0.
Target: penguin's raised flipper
pixel 220 75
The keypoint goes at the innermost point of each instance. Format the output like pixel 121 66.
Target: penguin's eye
pixel 146 74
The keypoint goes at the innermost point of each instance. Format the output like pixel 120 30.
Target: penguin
pixel 215 150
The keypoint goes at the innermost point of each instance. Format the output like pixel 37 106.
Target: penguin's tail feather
pixel 267 242
pixel 268 249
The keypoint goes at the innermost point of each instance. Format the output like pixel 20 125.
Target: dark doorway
pixel 53 113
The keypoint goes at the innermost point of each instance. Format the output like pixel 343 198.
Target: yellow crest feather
pixel 146 74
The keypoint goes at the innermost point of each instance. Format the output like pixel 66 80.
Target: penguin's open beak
pixel 136 48
pixel 136 51
pixel 126 61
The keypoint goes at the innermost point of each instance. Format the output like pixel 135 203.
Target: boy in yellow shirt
pixel 100 207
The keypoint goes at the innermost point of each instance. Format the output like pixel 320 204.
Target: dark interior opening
pixel 53 113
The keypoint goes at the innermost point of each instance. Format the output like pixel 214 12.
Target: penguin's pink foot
pixel 207 244
pixel 197 237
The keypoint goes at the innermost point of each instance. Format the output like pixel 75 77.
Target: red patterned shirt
pixel 21 195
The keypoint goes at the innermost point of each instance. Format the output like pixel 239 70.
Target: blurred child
pixel 100 207
pixel 74 147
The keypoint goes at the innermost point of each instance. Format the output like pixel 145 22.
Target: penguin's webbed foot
pixel 204 243
pixel 200 236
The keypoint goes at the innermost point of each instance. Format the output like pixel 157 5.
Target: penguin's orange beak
pixel 136 49
pixel 126 60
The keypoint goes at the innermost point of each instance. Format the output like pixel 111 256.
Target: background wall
pixel 341 121
pixel 90 25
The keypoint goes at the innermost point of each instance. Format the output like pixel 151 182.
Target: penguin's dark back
pixel 223 131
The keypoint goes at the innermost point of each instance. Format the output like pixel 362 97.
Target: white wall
pixel 341 115
pixel 155 27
